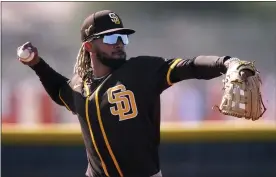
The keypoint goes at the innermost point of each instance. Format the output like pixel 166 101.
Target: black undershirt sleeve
pixel 201 67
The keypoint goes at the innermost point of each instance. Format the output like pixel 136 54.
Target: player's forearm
pixel 201 67
pixel 209 67
pixel 50 79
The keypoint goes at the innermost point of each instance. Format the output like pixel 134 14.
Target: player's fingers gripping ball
pixel 26 52
pixel 242 97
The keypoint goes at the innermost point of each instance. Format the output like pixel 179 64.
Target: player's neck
pixel 100 73
pixel 100 70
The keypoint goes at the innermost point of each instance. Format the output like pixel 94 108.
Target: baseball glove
pixel 242 97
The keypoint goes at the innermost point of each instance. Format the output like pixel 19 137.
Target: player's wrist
pixel 230 61
pixel 36 62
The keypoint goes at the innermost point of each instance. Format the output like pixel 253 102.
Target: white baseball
pixel 25 55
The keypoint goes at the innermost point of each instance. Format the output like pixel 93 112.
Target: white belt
pixel 159 174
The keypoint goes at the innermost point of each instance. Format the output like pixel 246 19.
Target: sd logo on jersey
pixel 125 105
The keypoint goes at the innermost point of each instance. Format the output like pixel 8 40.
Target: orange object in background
pixel 10 116
pixel 27 103
pixel 47 109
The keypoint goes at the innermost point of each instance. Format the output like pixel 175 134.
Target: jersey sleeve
pixel 170 71
pixel 66 96
pixel 57 86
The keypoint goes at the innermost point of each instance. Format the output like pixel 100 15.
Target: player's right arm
pixel 56 85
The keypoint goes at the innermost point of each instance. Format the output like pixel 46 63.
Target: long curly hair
pixel 83 64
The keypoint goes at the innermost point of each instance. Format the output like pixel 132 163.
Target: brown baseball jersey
pixel 120 113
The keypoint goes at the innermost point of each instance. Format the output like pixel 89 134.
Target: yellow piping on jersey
pixel 170 70
pixel 104 134
pixel 67 107
pixel 90 129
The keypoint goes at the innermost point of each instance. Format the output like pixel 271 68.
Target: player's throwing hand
pixel 28 54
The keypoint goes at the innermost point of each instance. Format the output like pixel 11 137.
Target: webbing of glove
pixel 242 98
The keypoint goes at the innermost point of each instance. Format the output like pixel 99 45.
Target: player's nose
pixel 119 43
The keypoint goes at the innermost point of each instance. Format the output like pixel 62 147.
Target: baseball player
pixel 117 101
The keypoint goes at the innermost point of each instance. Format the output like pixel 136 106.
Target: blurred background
pixel 168 29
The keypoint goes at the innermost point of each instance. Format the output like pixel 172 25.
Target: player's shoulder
pixel 147 60
pixel 147 57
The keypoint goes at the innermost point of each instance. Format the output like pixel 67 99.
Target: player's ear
pixel 88 46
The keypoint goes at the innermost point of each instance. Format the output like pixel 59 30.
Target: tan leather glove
pixel 242 96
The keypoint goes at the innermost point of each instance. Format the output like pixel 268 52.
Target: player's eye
pixel 112 39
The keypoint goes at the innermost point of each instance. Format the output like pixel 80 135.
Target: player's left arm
pixel 201 67
pixel 237 73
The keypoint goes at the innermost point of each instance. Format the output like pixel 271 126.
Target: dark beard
pixel 109 62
